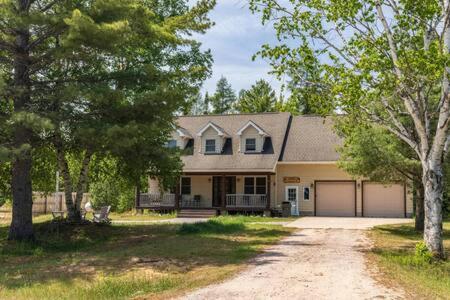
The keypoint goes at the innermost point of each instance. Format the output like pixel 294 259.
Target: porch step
pixel 197 213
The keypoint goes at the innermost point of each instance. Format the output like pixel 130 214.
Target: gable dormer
pixel 213 139
pixel 252 138
pixel 180 138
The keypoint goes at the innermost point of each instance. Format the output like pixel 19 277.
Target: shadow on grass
pixel 65 253
pixel 407 231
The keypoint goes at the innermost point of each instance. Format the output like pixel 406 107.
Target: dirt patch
pixel 319 263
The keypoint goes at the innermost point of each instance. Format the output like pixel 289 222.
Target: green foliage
pixel 259 98
pixel 224 97
pixel 213 226
pixel 422 254
pixel 374 153
pixel 109 187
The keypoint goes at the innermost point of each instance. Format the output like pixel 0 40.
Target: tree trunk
pixel 67 180
pixel 433 183
pixel 82 182
pixel 420 210
pixel 22 211
pixel 22 218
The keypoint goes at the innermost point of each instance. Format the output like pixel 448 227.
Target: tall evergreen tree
pixel 224 97
pixel 83 75
pixel 259 98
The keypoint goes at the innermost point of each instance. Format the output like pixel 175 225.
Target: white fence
pixel 246 200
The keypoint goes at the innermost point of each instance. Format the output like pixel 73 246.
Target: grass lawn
pixel 394 252
pixel 129 261
pixel 132 216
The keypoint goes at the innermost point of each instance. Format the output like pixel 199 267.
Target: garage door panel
pixel 335 199
pixel 383 200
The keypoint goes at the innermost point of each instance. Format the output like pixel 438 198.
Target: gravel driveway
pixel 323 261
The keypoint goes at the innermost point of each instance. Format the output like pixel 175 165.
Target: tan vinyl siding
pixel 308 173
pixel 200 185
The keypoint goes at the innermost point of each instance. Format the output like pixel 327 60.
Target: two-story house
pixel 254 162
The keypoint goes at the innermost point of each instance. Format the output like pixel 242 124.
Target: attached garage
pixel 380 200
pixel 335 198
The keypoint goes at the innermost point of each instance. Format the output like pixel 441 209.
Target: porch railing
pixel 246 200
pixel 156 200
pixel 190 201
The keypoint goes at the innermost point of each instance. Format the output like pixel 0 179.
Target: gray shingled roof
pixel 311 138
pixel 275 124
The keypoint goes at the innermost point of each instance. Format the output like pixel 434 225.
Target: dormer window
pixel 210 146
pixel 171 144
pixel 250 145
pixel 252 138
pixel 180 138
pixel 213 138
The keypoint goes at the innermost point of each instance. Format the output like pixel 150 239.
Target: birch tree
pixel 385 62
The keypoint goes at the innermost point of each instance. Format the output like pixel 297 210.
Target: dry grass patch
pixel 394 253
pixel 128 261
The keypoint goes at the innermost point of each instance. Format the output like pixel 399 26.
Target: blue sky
pixel 236 37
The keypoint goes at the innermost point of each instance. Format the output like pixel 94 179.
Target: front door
pixel 292 196
pixel 230 188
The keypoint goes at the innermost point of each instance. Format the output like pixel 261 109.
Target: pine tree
pixel 90 77
pixel 259 98
pixel 224 97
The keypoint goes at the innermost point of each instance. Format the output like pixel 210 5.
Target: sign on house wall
pixel 291 179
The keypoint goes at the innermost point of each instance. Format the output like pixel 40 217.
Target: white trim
pixel 220 133
pixel 251 123
pixel 286 197
pixel 182 135
pixel 331 162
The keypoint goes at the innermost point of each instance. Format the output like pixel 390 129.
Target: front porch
pixel 223 193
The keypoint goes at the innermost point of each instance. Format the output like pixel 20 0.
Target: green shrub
pixel 216 225
pixel 422 253
pixel 112 192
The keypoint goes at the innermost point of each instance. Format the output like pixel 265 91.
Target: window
pixel 210 146
pixel 171 143
pixel 185 185
pixel 292 194
pixel 306 194
pixel 250 145
pixel 249 185
pixel 260 185
pixel 255 185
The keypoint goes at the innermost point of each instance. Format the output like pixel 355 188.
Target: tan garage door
pixel 383 201
pixel 334 198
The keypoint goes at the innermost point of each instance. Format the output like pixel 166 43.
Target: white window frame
pixel 215 145
pixel 256 144
pixel 254 184
pixel 309 193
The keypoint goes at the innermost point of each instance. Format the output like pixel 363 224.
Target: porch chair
pixel 102 216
